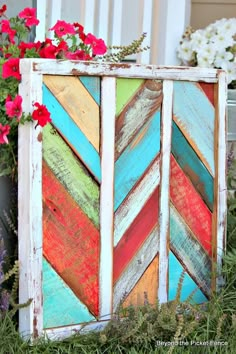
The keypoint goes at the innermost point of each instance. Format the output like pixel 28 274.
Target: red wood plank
pixel 70 241
pixel 191 206
pixel 136 234
pixel 208 88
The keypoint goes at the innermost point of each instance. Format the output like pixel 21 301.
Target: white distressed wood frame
pixel 30 178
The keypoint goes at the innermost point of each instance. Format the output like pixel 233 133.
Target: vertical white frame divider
pixel 30 207
pixel 108 114
pixel 146 6
pixel 89 16
pixel 117 17
pixel 166 129
pixel 221 173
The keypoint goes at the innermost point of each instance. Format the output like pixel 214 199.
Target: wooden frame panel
pixel 157 175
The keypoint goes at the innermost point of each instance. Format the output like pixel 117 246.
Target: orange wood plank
pixel 146 287
pixel 70 241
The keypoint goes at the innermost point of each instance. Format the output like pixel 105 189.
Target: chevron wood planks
pixel 127 190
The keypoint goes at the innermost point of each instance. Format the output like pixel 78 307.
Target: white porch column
pixel 173 17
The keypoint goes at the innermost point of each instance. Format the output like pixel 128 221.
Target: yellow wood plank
pixel 78 103
pixel 146 287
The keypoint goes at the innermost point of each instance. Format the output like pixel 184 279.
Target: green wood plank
pixel 71 173
pixel 125 89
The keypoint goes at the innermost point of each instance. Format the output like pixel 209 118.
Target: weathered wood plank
pixel 135 201
pixel 146 101
pixel 125 70
pixel 125 89
pixel 136 267
pixel 136 234
pixel 164 216
pixel 191 206
pixel 108 110
pixel 30 211
pixel 136 158
pixel 145 291
pixel 93 85
pixel 60 305
pixel 192 166
pixel 188 287
pixel 72 134
pixel 191 254
pixel 78 103
pixel 71 173
pixel 194 115
pixel 71 243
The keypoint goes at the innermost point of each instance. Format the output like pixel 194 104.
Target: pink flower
pixel 80 30
pixel 7 29
pixel 98 45
pixel 27 46
pixel 3 9
pixel 11 68
pixel 4 131
pixel 41 114
pixel 29 15
pixel 78 55
pixel 14 108
pixel 63 28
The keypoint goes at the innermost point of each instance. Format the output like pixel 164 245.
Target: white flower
pixel 221 58
pixel 185 51
pixel 230 69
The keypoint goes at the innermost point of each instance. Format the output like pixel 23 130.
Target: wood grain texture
pixel 146 101
pixel 164 216
pixel 136 234
pixel 209 91
pixel 72 134
pixel 108 109
pixel 78 103
pixel 71 243
pixel 125 89
pixel 189 252
pixel 135 201
pixel 136 158
pixel 192 166
pixel 136 267
pixel 145 291
pixel 60 305
pixel 71 173
pixel 93 85
pixel 191 206
pixel 194 115
pixel 189 286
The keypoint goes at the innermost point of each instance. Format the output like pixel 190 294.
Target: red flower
pixel 4 131
pixel 98 45
pixel 7 29
pixel 3 9
pixel 27 46
pixel 14 108
pixel 62 28
pixel 78 55
pixel 29 15
pixel 80 30
pixel 41 114
pixel 11 68
pixel 48 50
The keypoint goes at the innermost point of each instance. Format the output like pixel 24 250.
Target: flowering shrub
pixel 213 47
pixel 70 42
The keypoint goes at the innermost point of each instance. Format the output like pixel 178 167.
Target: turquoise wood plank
pixel 189 251
pixel 135 159
pixel 192 166
pixel 175 270
pixel 195 115
pixel 92 84
pixel 60 306
pixel 71 132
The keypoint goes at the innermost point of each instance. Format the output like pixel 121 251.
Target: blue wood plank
pixel 60 305
pixel 195 116
pixel 135 159
pixel 72 133
pixel 192 166
pixel 175 271
pixel 92 84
